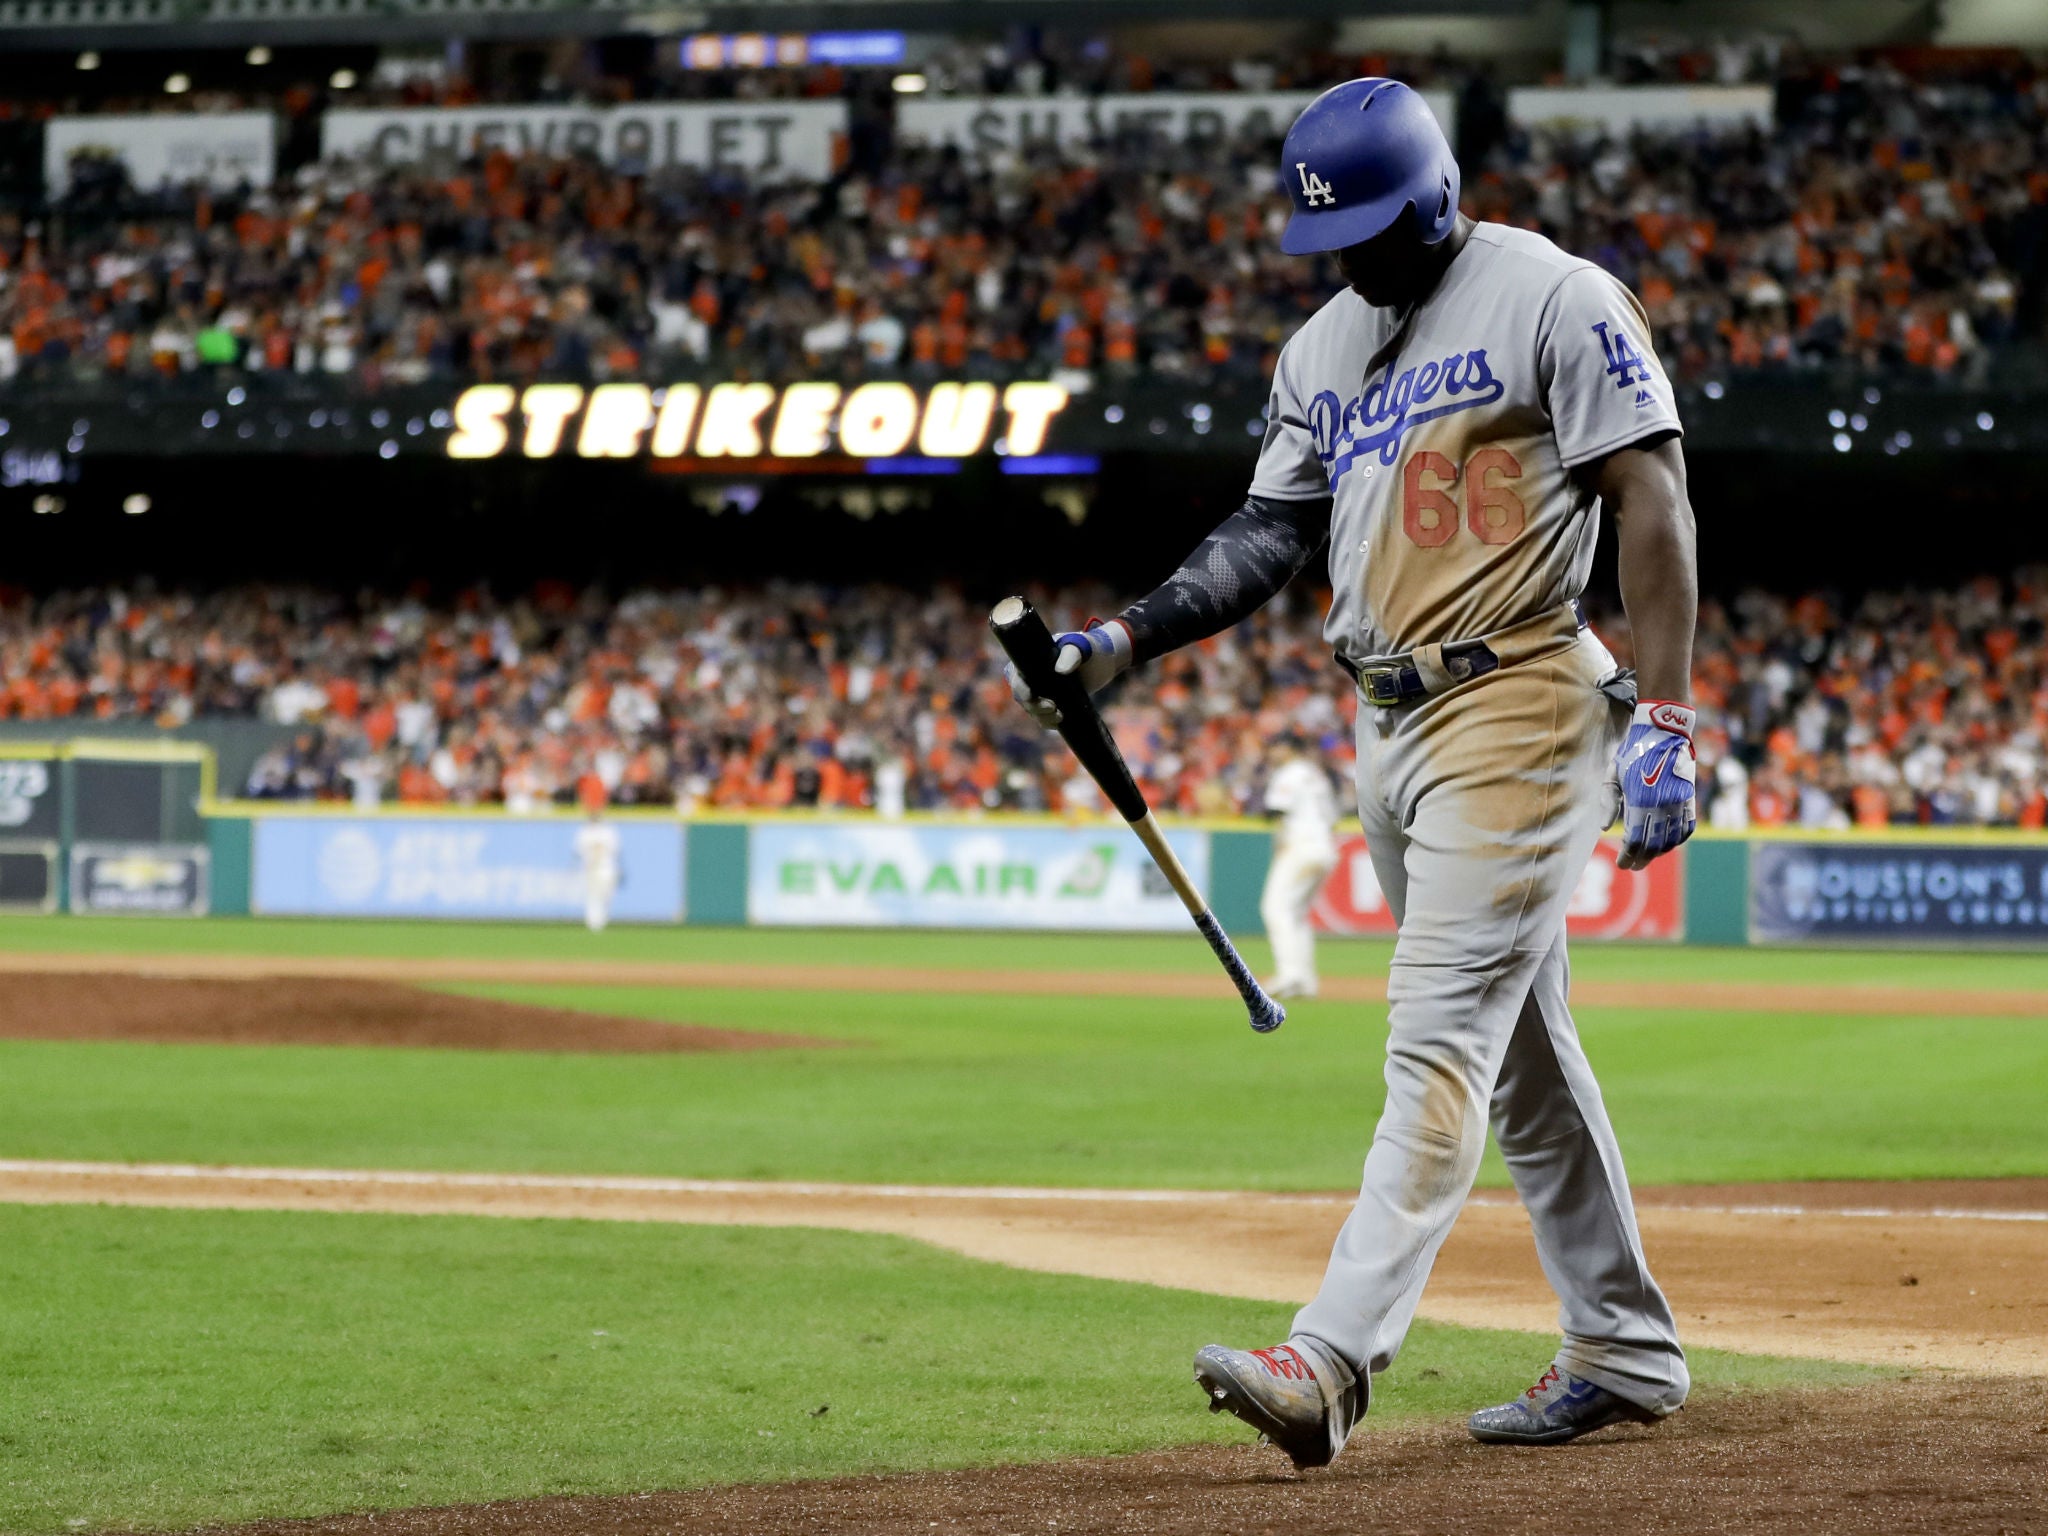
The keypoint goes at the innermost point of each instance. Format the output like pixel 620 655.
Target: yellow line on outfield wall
pixel 258 809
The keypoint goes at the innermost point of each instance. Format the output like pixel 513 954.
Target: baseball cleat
pixel 1558 1408
pixel 1297 1397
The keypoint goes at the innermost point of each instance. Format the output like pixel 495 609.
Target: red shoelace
pixel 1293 1368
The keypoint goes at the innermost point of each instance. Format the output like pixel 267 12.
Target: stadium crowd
pixel 1921 707
pixel 1884 224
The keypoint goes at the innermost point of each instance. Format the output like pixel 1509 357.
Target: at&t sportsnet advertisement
pixel 458 867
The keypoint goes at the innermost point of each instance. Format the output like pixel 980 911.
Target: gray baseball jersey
pixel 1447 437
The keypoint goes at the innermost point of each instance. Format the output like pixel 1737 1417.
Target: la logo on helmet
pixel 1314 189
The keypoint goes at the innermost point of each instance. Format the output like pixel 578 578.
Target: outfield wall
pixel 1909 887
pixel 135 827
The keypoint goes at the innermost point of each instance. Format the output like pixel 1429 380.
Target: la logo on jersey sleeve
pixel 1625 365
pixel 1314 189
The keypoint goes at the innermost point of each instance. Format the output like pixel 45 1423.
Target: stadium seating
pixel 1886 225
pixel 1917 707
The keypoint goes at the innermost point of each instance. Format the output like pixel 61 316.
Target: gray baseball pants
pixel 1481 807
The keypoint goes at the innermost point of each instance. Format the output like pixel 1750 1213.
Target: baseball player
pixel 597 849
pixel 1453 424
pixel 1304 853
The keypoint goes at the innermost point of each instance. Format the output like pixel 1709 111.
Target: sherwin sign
pixel 995 123
pixel 1095 877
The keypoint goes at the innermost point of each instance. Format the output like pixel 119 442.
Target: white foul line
pixel 638 1184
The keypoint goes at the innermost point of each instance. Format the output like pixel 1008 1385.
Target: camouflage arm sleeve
pixel 1232 574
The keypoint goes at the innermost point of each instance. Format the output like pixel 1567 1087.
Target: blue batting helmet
pixel 1357 157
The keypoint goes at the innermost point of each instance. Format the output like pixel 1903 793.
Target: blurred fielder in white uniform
pixel 1304 853
pixel 597 849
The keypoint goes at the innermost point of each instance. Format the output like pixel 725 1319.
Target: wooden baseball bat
pixel 1028 643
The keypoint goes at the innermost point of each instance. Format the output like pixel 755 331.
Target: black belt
pixel 1391 680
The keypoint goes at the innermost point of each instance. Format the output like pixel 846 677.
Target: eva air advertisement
pixel 1095 877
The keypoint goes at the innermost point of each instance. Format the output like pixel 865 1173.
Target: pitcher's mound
pixel 310 1011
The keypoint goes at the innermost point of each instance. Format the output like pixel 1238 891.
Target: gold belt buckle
pixel 1380 685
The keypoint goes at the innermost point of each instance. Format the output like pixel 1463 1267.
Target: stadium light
pixel 88 60
pixel 136 504
pixel 178 84
pixel 258 56
pixel 909 85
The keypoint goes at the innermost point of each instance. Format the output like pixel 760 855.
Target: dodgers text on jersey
pixel 1375 419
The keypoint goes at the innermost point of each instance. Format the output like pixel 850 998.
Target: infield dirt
pixel 1962 1458
pixel 1810 1275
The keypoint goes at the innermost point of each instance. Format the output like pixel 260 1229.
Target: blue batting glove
pixel 1098 653
pixel 1655 770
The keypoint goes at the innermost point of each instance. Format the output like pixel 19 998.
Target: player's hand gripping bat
pixel 1023 635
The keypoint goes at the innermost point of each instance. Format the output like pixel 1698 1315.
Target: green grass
pixel 1000 1089
pixel 1030 951
pixel 167 1368
pixel 1034 1090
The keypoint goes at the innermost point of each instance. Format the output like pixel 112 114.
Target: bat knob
pixel 1269 1018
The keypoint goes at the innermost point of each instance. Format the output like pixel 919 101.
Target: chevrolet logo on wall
pixel 138 872
pixel 139 877
pixel 739 421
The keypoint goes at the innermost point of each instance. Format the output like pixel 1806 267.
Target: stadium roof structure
pixel 234 23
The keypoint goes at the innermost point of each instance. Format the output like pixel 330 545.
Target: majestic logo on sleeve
pixel 1625 365
pixel 1375 420
pixel 1314 189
